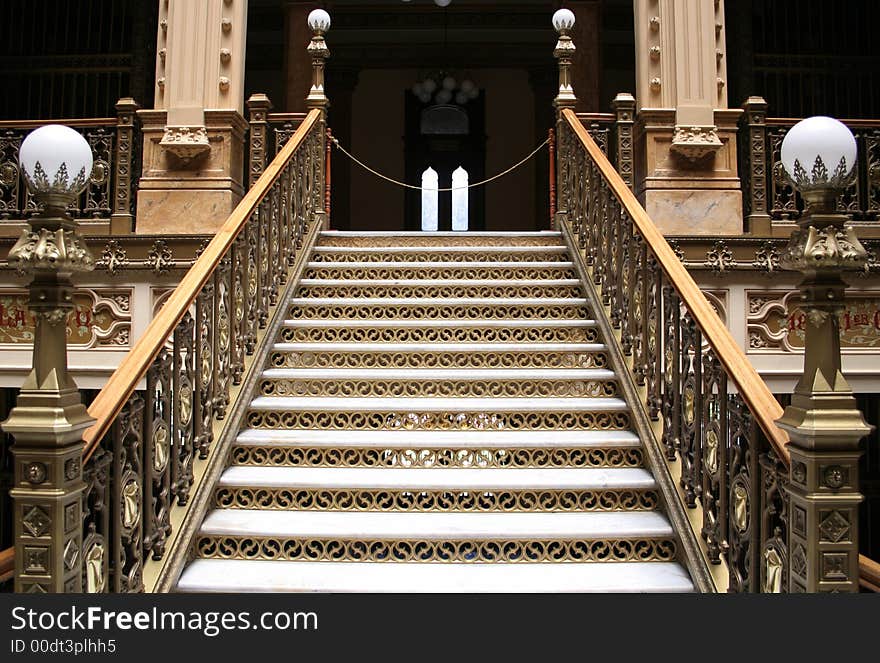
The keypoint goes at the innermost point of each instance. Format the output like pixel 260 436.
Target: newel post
pixel 258 106
pixel 624 106
pixel 563 22
pixel 122 219
pixel 49 418
pixel 823 420
pixel 319 23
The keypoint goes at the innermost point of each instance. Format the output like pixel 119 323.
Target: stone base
pixel 695 212
pixel 182 196
pixel 184 211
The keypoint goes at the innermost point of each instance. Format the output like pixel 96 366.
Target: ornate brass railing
pixel 157 413
pixel 768 193
pixel 109 196
pixel 716 413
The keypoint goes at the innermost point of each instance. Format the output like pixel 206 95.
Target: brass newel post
pixel 258 106
pixel 319 22
pixel 49 418
pixel 624 106
pixel 823 422
pixel 755 180
pixel 563 22
pixel 122 219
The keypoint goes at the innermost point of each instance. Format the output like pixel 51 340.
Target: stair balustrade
pixel 160 412
pixel 715 417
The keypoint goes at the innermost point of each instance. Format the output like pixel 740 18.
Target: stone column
pixel 193 139
pixel 686 169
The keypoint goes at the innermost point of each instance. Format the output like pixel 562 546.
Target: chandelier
pixel 443 88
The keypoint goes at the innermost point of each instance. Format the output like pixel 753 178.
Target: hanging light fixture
pixel 442 88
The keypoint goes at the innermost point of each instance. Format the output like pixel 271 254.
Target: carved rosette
pixel 56 250
pixel 695 143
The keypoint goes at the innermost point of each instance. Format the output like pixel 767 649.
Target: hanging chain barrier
pixel 335 141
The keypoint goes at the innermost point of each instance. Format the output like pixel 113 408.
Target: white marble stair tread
pixel 436 526
pixel 440 324
pixel 512 249
pixel 439 233
pixel 440 439
pixel 593 478
pixel 327 404
pixel 464 283
pixel 439 301
pixel 443 264
pixel 439 347
pixel 223 575
pixel 563 374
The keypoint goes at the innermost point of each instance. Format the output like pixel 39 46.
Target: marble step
pixel 431 309
pixel 221 575
pixel 440 439
pixel 294 403
pixel 490 479
pixel 436 526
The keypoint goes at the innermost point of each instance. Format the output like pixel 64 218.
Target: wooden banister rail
pixel 7 564
pixel 630 237
pixel 869 574
pixel 133 368
pixel 753 389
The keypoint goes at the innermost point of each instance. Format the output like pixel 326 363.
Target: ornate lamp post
pixel 823 422
pixel 49 417
pixel 563 22
pixel 319 22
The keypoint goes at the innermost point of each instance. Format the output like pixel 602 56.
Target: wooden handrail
pixel 7 564
pixel 77 122
pixel 791 121
pixel 124 381
pixel 754 391
pixel 869 573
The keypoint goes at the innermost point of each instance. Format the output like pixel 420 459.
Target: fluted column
pixel 193 138
pixel 686 171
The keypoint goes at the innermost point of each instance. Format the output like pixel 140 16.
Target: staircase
pixel 439 414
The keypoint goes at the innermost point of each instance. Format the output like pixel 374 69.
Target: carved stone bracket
pixel 186 143
pixel 694 143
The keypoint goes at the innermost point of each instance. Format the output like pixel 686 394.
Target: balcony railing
pixel 107 203
pixel 767 192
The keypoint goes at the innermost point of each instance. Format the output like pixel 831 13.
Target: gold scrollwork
pixel 429 334
pixel 447 457
pixel 483 359
pixel 441 389
pixel 366 311
pixel 447 550
pixel 388 420
pixel 445 500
